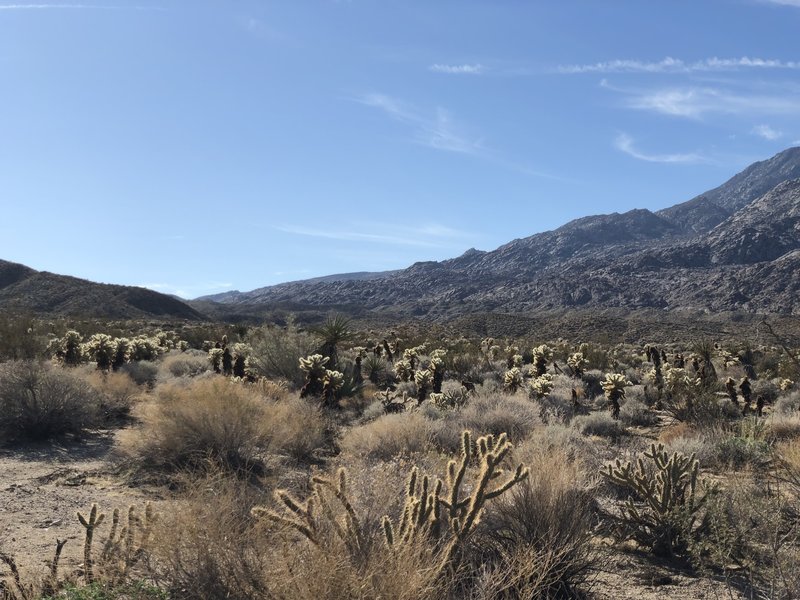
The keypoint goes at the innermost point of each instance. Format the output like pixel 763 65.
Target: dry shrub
pixel 186 364
pixel 208 545
pixel 535 540
pixel 600 424
pixel 514 415
pixel 211 547
pixel 39 401
pixel 782 427
pixel 229 423
pixel 142 372
pixel 388 436
pixel 117 393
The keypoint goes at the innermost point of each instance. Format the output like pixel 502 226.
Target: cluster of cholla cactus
pixel 437 509
pixel 614 389
pixel 664 502
pixel 108 352
pixel 541 386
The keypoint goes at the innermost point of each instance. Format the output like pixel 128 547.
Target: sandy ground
pixel 41 489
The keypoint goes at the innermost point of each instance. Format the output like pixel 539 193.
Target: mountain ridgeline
pixel 733 248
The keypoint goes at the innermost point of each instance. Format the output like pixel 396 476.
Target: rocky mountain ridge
pixel 733 248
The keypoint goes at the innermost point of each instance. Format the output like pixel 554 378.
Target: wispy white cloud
pixel 783 2
pixel 429 236
pixel 767 132
pixel 676 65
pixel 475 69
pixel 439 132
pixel 625 143
pixel 697 101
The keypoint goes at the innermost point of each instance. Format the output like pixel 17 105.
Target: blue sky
pixel 200 146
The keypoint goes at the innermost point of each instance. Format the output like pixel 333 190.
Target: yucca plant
pixel 333 332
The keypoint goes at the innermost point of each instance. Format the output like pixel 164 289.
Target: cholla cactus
pixel 145 348
pixel 435 509
pixel 332 382
pixel 665 503
pixel 241 352
pixel 677 381
pixel 450 400
pixel 785 384
pixel 183 345
pixel 100 348
pixel 215 358
pixel 122 352
pixel 403 370
pixel 314 368
pixel 512 379
pixel 422 379
pixel 542 386
pixel 577 363
pixel 541 355
pixel 728 359
pixel 614 390
pixel 436 367
pixel 68 349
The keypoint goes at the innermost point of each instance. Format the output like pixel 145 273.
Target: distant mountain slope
pixel 732 248
pixel 706 211
pixel 40 292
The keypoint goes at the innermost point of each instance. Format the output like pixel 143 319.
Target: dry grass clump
pixel 186 364
pixel 39 401
pixel 536 538
pixel 388 436
pixel 600 424
pixel 636 413
pixel 782 427
pixel 224 422
pixel 515 416
pixel 117 393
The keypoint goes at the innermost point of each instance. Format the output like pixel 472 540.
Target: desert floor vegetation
pixel 344 462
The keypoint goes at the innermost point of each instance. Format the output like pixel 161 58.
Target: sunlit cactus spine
pixel 541 386
pixel 122 352
pixel 403 370
pixel 512 379
pixel 541 356
pixel 423 379
pixel 314 368
pixel 614 389
pixel 100 349
pixel 332 382
pixel 577 364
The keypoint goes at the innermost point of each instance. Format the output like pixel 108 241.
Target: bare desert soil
pixel 43 486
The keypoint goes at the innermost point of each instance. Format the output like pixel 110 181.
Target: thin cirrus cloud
pixel 438 131
pixel 625 143
pixel 696 102
pixel 767 132
pixel 475 69
pixel 676 65
pixel 429 236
